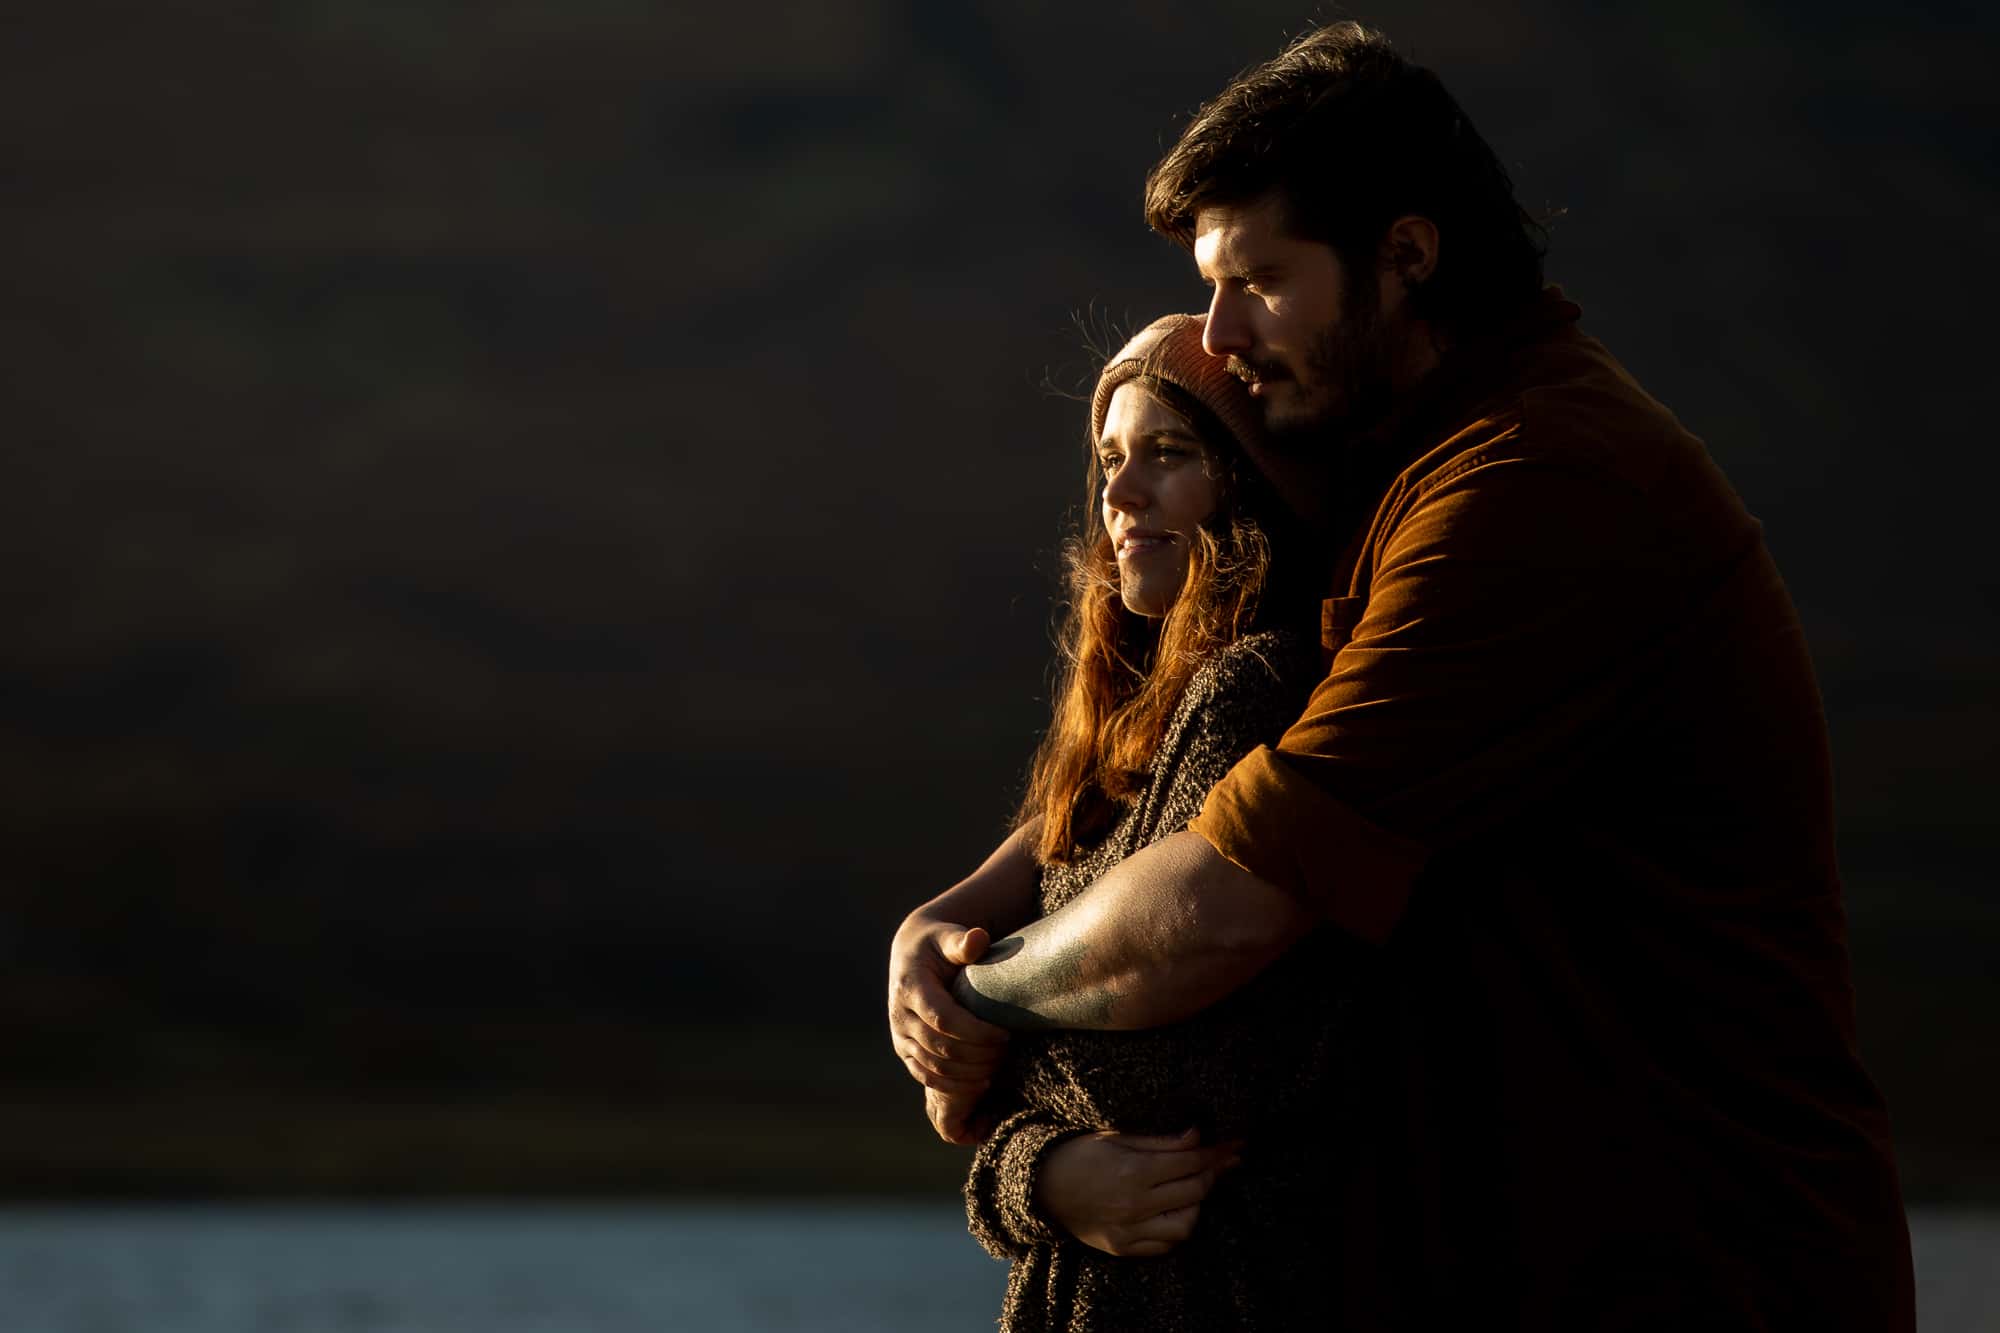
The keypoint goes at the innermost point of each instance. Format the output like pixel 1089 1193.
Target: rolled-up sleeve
pixel 1275 822
pixel 1510 602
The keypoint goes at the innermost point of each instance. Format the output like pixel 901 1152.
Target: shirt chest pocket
pixel 1337 618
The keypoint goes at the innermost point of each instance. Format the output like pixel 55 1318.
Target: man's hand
pixel 1131 1195
pixel 945 1048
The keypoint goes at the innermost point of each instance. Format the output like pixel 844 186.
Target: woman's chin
pixel 1141 600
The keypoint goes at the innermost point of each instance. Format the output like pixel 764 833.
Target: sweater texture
pixel 1257 1067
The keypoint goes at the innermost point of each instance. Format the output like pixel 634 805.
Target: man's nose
pixel 1226 333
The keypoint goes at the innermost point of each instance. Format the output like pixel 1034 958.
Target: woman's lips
pixel 1138 543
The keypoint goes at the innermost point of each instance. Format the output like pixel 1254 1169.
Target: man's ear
pixel 1410 250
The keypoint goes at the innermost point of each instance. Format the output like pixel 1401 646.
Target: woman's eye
pixel 1109 462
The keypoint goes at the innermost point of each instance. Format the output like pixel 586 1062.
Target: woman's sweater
pixel 1253 1067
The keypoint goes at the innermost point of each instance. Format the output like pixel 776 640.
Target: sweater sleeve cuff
pixel 1279 825
pixel 1000 1189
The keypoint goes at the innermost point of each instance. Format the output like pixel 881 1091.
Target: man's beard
pixel 1346 385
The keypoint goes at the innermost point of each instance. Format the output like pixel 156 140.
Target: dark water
pixel 704 1268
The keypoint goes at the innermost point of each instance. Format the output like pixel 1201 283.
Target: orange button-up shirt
pixel 1568 764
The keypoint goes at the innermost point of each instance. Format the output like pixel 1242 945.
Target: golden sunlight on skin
pixel 1272 295
pixel 1158 487
pixel 1277 310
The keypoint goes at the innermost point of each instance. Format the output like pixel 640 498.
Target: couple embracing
pixel 1423 912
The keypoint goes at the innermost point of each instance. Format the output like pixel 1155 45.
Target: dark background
pixel 529 527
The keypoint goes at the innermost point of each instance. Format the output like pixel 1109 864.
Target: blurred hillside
pixel 530 532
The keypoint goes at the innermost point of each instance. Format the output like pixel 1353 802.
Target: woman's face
pixel 1159 485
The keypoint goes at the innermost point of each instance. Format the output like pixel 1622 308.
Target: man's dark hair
pixel 1352 136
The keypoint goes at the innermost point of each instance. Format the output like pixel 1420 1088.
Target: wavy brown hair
pixel 1353 136
pixel 1120 673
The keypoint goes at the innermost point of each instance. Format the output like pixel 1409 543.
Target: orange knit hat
pixel 1170 349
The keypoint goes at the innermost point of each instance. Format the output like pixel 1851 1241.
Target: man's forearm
pixel 1161 936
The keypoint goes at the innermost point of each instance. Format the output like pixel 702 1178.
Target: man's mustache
pixel 1252 371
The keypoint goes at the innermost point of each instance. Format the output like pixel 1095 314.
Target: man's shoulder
pixel 1581 405
pixel 1566 403
pixel 1567 460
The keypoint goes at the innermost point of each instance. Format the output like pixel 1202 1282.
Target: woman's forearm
pixel 1000 896
pixel 1159 938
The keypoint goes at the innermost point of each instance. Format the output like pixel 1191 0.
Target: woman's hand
pixel 957 1118
pixel 948 1050
pixel 1130 1195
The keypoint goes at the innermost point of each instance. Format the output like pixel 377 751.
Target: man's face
pixel 1303 333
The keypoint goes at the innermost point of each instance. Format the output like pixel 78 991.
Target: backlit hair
pixel 1352 136
pixel 1121 673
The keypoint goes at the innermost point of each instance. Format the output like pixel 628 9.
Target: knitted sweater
pixel 1254 1066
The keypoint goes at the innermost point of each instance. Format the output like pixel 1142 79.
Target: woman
pixel 1181 655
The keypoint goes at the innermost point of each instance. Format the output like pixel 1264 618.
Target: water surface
pixel 523 1268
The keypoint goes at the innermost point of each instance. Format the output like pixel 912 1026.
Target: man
pixel 1567 769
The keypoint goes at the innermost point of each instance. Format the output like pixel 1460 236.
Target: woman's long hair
pixel 1121 674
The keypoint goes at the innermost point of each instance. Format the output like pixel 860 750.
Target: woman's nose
pixel 1122 491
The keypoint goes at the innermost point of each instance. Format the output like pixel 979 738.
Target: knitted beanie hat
pixel 1170 349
